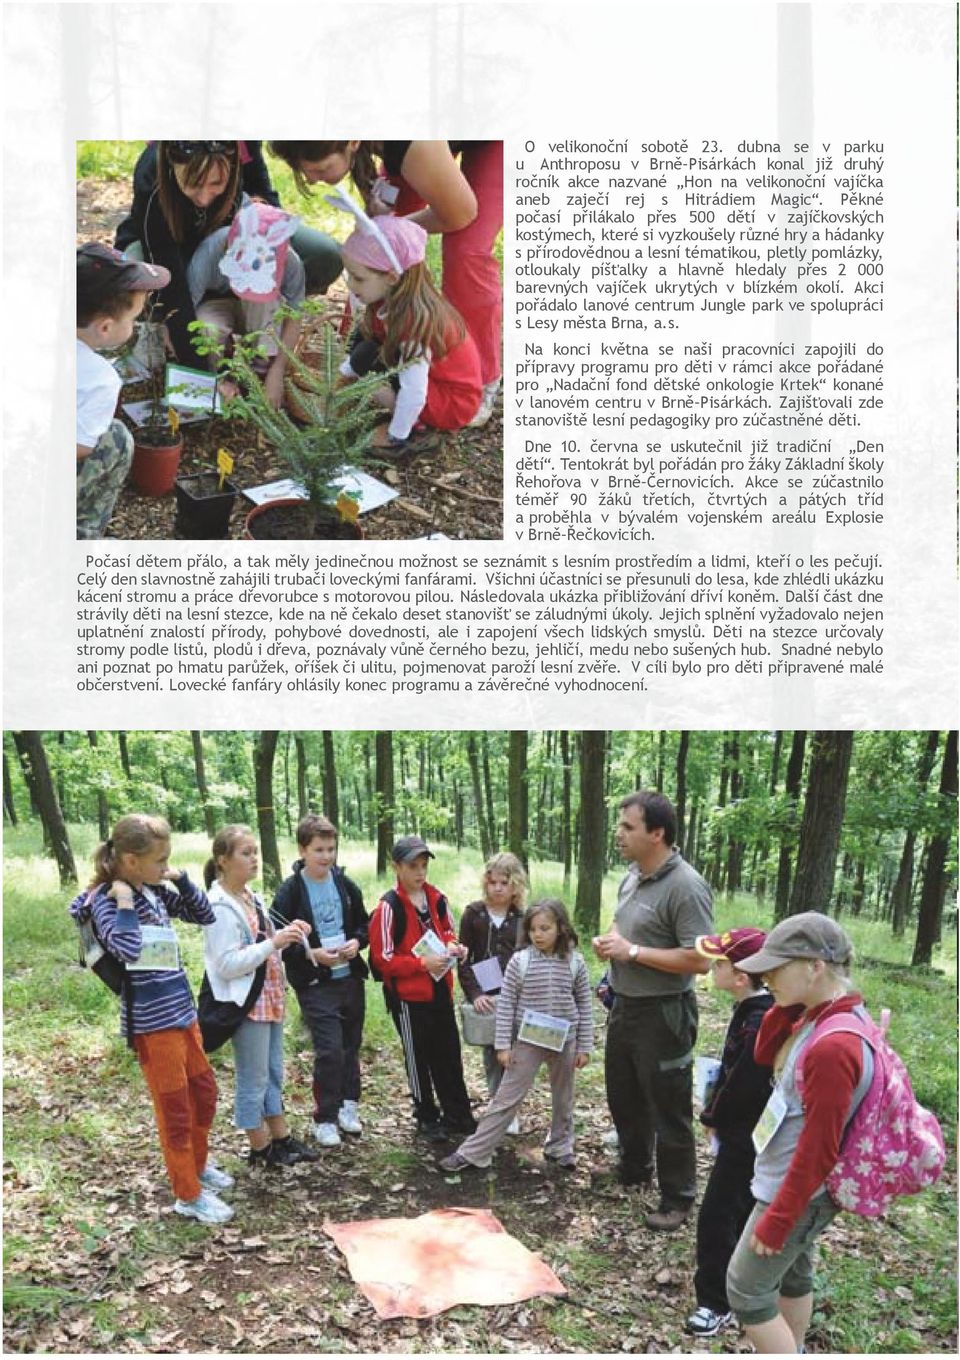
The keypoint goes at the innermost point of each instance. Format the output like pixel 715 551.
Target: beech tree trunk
pixel 789 833
pixel 900 897
pixel 209 821
pixel 483 826
pixel 518 798
pixel 384 799
pixel 591 860
pixel 9 806
pixel 331 801
pixel 680 785
pixel 264 750
pixel 566 830
pixel 822 822
pixel 930 919
pixel 36 769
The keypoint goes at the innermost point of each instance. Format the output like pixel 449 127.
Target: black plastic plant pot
pixel 203 508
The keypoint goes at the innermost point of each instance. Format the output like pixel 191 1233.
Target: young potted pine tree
pixel 157 443
pixel 332 430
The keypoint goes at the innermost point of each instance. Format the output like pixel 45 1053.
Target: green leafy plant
pixel 336 419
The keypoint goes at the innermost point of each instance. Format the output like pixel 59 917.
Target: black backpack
pixel 106 966
pixel 400 926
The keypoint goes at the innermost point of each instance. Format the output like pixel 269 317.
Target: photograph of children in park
pixel 318 350
pixel 177 1133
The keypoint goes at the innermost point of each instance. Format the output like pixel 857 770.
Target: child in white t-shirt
pixel 111 292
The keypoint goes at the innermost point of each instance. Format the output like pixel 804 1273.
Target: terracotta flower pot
pixel 156 459
pixel 203 509
pixel 290 517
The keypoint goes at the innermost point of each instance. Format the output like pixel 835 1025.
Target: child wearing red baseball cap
pixel 730 1112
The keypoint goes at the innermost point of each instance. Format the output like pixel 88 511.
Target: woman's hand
pixel 287 935
pixel 484 1005
pixel 505 1057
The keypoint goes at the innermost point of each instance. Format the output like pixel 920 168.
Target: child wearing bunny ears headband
pixel 405 321
pixel 238 277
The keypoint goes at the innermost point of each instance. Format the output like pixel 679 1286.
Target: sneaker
pixel 667 1219
pixel 487 404
pixel 349 1117
pixel 326 1135
pixel 295 1151
pixel 513 1128
pixel 705 1322
pixel 214 1179
pixel 432 1130
pixel 611 1139
pixel 456 1163
pixel 566 1160
pixel 260 1158
pixel 206 1208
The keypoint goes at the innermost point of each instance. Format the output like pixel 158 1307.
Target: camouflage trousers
pixel 99 478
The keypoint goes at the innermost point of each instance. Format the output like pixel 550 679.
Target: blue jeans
pixel 258 1050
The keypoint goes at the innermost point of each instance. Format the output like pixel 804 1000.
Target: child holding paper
pixel 488 930
pixel 543 1015
pixel 413 947
pixel 732 1107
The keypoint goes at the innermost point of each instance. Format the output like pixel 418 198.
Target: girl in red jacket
pixel 413 947
pixel 409 326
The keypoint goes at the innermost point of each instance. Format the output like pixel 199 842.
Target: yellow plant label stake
pixel 348 507
pixel 224 464
pixel 173 417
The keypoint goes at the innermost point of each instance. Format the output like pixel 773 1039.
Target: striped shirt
pixel 549 986
pixel 161 999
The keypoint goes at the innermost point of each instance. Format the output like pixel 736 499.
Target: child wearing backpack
pixel 130 903
pixel 543 1015
pixel 731 1109
pixel 823 1129
pixel 413 947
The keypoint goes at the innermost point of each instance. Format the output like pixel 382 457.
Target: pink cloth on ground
pixel 416 1267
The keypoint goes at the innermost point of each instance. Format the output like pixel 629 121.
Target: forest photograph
pixel 101 1257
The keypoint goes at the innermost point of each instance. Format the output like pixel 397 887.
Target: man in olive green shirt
pixel 663 906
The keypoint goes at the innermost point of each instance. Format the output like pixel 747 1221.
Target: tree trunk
pixel 124 750
pixel 33 759
pixel 384 799
pixel 518 798
pixel 822 822
pixel 473 760
pixel 900 897
pixel 591 860
pixel 303 789
pixel 9 806
pixel 331 801
pixel 103 807
pixel 199 765
pixel 264 750
pixel 566 832
pixel 789 832
pixel 938 847
pixel 661 752
pixel 734 847
pixel 680 786
pixel 495 836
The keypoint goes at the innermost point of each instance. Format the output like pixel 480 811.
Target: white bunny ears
pixel 256 253
pixel 387 243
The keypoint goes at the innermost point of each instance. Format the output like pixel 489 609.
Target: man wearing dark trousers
pixel 663 906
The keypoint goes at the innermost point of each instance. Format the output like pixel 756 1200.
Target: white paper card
pixel 160 951
pixel 372 492
pixel 546 1031
pixel 706 1074
pixel 488 973
pixel 191 389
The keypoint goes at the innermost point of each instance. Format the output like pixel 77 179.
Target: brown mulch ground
pixel 454 486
